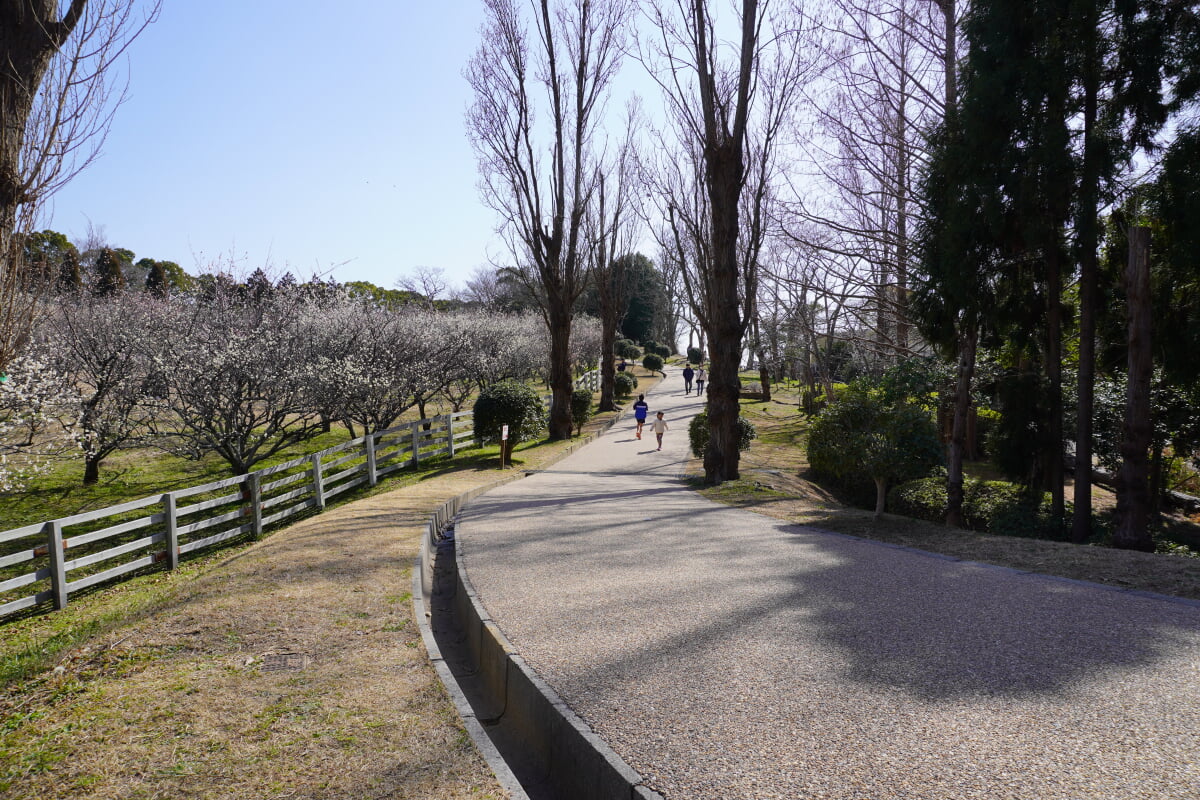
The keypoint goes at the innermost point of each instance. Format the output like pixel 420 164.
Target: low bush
pixel 624 383
pixel 509 403
pixel 698 433
pixel 657 348
pixel 626 348
pixel 581 408
pixel 695 355
pixel 861 440
pixel 997 507
pixel 654 363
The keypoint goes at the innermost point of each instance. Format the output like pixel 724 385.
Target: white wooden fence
pixel 66 555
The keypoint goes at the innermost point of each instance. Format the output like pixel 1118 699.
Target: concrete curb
pixel 532 740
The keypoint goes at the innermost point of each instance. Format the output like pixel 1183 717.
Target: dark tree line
pixel 1055 99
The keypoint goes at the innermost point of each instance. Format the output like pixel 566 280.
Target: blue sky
pixel 294 134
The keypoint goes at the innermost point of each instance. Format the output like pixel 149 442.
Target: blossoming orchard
pixel 244 374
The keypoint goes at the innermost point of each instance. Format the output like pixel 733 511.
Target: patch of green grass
pixel 128 475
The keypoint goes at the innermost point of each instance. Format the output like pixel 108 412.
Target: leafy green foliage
pixel 510 403
pixel 1021 434
pixel 626 348
pixel 109 278
pixel 998 507
pixel 581 408
pixel 658 348
pixel 653 362
pixel 861 439
pixel 698 433
pixel 624 383
pixel 695 355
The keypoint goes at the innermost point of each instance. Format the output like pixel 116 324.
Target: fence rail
pixel 48 561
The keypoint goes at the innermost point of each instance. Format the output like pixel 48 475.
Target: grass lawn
pixel 775 481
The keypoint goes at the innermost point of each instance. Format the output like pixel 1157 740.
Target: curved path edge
pixel 537 746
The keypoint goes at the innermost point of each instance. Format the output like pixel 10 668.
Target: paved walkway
pixel 727 655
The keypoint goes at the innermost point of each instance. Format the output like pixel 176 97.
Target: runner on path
pixel 640 410
pixel 660 427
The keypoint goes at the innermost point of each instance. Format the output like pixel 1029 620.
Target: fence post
pixel 416 443
pixel 254 495
pixel 58 566
pixel 450 434
pixel 172 526
pixel 369 444
pixel 318 482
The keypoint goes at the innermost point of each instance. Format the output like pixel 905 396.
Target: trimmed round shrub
pixel 654 363
pixel 510 403
pixel 626 348
pixel 581 408
pixel 658 348
pixel 624 383
pixel 698 433
pixel 695 355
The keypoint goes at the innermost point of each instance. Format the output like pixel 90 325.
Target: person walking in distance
pixel 640 409
pixel 700 376
pixel 660 427
pixel 688 374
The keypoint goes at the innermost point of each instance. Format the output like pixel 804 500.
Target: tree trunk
pixel 1085 225
pixel 880 496
pixel 1054 456
pixel 91 470
pixel 958 433
pixel 608 372
pixel 725 176
pixel 560 371
pixel 1133 480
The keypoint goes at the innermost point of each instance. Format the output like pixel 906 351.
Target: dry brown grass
pixel 773 482
pixel 183 700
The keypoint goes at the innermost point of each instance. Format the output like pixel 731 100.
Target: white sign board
pixel 504 433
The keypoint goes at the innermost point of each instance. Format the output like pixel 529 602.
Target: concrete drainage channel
pixel 537 746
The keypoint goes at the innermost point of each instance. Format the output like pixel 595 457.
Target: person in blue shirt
pixel 640 410
pixel 688 374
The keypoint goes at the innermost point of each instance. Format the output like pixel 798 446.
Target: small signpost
pixel 503 445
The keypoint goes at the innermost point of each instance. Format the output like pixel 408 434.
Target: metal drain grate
pixel 284 662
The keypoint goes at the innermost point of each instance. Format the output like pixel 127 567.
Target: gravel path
pixel 728 655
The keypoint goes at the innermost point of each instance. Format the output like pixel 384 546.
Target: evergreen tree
pixel 109 277
pixel 157 281
pixel 69 279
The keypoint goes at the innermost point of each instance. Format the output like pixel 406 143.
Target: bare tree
pixel 540 173
pixel 428 282
pixel 884 93
pixel 58 94
pixel 612 226
pixel 728 117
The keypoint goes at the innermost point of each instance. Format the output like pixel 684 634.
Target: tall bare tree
pixel 538 104
pixel 58 93
pixel 729 107
pixel 612 224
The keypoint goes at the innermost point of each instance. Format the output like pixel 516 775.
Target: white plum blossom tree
pixel 238 379
pixel 106 346
pixel 36 416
